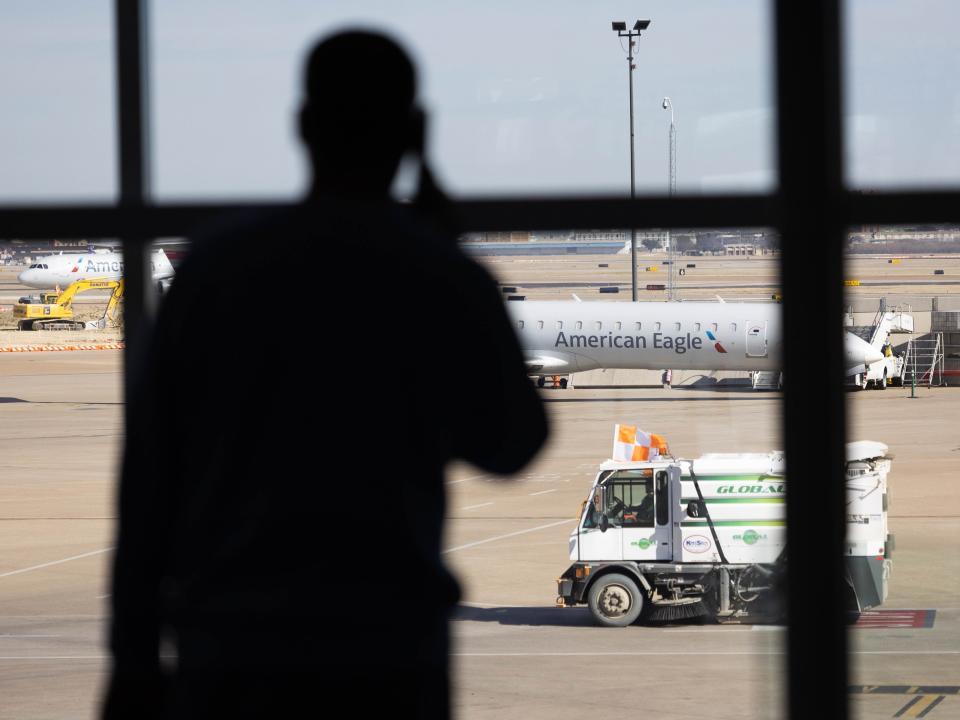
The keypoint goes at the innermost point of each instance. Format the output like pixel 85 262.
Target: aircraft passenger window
pixel 696 327
pixel 656 326
pixel 638 325
pixel 617 325
pixel 579 324
pixel 676 326
pixel 733 327
pixel 559 324
pixel 713 326
pixel 599 326
pixel 520 324
pixel 539 324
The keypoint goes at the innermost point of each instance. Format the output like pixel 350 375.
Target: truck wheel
pixel 615 600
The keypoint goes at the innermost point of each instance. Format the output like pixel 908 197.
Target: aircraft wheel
pixel 882 383
pixel 563 383
pixel 541 381
pixel 864 381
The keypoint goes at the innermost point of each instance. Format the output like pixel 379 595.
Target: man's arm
pixel 499 423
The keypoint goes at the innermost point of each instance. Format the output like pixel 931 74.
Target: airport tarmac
pixel 515 655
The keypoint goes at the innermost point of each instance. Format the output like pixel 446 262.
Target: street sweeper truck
pixel 661 538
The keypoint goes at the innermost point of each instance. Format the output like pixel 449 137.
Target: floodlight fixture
pixel 620 28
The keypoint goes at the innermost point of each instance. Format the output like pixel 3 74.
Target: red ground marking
pixel 896 619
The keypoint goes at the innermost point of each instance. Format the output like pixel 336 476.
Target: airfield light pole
pixel 671 273
pixel 621 29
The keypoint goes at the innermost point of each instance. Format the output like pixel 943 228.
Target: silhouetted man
pixel 311 373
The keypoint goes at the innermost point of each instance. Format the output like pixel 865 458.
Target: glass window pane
pixel 902 102
pixel 58 121
pixel 903 316
pixel 521 100
pixel 61 429
pixel 708 407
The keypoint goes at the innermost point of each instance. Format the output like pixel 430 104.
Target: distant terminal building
pixel 745 249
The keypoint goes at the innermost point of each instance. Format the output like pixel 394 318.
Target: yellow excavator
pixel 54 311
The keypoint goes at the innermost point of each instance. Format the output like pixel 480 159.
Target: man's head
pixel 359 116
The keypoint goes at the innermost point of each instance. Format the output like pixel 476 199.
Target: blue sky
pixel 523 97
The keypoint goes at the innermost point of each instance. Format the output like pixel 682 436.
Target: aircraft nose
pixel 25 277
pixel 860 351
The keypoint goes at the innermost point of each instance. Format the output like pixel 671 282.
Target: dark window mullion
pixel 130 18
pixel 812 239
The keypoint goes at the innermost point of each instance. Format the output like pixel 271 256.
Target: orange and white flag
pixel 630 443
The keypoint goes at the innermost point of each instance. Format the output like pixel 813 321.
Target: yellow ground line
pixel 920 706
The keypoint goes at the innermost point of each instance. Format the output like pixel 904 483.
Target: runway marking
pixel 471 507
pixel 694 653
pixel 919 706
pixel 502 537
pixel 54 562
pixel 472 477
pixel 543 492
pixel 905 690
pixel 896 619
pixel 54 657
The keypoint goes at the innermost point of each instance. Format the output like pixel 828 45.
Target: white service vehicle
pixel 670 538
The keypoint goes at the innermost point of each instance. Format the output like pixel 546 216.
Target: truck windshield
pixel 627 500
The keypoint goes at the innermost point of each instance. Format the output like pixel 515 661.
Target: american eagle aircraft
pixel 60 270
pixel 562 337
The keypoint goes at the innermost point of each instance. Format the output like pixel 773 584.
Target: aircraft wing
pixel 548 364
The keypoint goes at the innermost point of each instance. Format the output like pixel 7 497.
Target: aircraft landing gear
pixel 541 381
